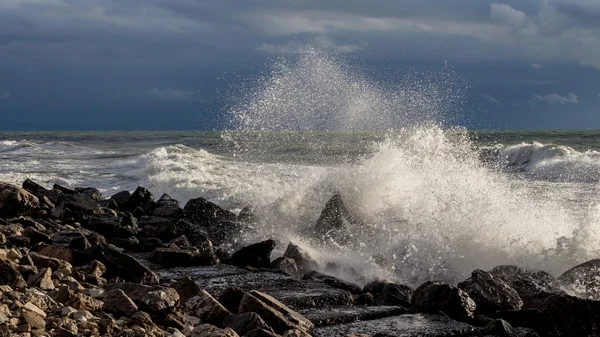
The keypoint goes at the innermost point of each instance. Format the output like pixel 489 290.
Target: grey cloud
pixel 5 95
pixel 555 99
pixel 171 95
pixel 490 99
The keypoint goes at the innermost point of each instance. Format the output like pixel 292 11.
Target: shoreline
pixel 76 263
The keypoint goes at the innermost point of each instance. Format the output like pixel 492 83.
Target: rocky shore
pixel 74 263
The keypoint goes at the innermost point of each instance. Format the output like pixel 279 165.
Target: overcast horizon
pixel 174 65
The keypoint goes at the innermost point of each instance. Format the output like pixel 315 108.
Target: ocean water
pixel 434 201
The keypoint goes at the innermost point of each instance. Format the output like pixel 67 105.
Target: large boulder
pixel 219 223
pixel 207 308
pixel 122 265
pixel 583 280
pixel 255 255
pixel 490 293
pixel 433 297
pixel 274 313
pixel 333 282
pixel 335 215
pixel 168 207
pixel 387 293
pixel 117 302
pixel 526 283
pixel 16 201
pixel 186 288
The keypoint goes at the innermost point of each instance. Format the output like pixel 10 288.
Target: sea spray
pixel 430 208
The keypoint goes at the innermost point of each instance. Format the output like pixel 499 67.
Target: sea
pixel 434 200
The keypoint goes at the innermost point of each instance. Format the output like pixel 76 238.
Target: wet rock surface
pixel 73 263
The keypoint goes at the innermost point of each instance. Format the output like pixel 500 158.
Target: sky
pixel 172 64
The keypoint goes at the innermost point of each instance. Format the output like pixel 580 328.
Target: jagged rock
pixel 43 279
pixel 84 302
pixel 286 265
pixel 122 265
pixel 181 242
pixel 10 276
pixel 16 201
pixel 255 255
pixel 170 258
pixel 19 241
pixel 490 294
pixel 335 282
pixel 335 216
pixel 142 198
pixel 105 224
pixel 274 313
pixel 526 283
pixel 247 215
pixel 117 302
pixel 387 293
pixel 62 254
pixel 207 308
pixel 186 288
pixel 77 207
pixel 160 299
pixel 243 323
pixel 206 213
pixel 90 192
pixel 122 200
pixel 230 298
pixel 64 239
pixel 207 330
pixel 168 207
pixel 62 294
pixel 583 280
pixel 304 262
pixel 433 297
pixel 173 319
pixel 34 320
pixel 43 261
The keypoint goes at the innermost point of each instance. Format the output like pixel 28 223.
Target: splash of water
pixel 430 209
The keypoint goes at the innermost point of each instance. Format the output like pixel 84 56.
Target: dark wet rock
pixel 122 200
pixel 342 315
pixel 154 221
pixel 304 262
pixel 168 207
pixel 231 298
pixel 206 213
pixel 583 280
pixel 490 293
pixel 404 325
pixel 186 288
pixel 148 245
pixel 64 238
pixel 90 192
pixel 255 255
pixel 334 216
pixel 142 198
pixel 10 276
pixel 557 314
pixel 16 201
pixel 169 258
pixel 34 188
pixel 173 319
pixel 117 302
pixel 387 293
pixel 207 308
pixel 432 297
pixel 181 242
pixel 525 332
pixel 243 323
pixel 274 313
pixel 365 299
pixel 78 207
pixel 499 328
pixel 122 265
pixel 35 236
pixel 105 224
pixel 19 241
pixel 286 265
pixel 526 283
pixel 63 190
pixel 334 282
